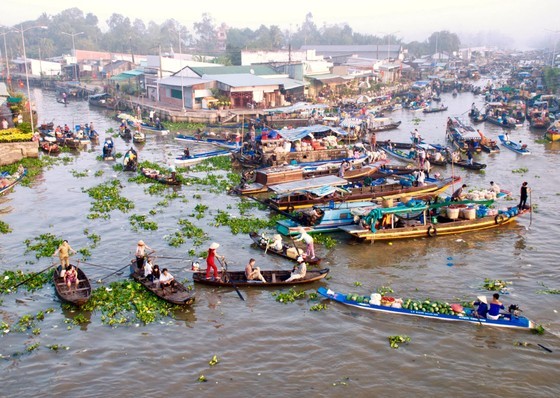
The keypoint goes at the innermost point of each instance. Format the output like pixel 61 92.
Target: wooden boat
pixel 108 152
pixel 425 224
pixel 49 147
pixel 434 110
pixel 157 176
pixel 288 251
pixel 408 152
pixel 8 182
pixel 178 295
pixel 514 146
pixel 490 146
pixel 470 166
pixel 138 137
pixel 302 198
pixel 130 160
pixel 274 278
pixel 512 320
pixel 77 296
pixel 160 128
pixel 382 124
pixel 184 161
pixel 103 100
pixel 125 133
pixel 553 132
pixel 228 144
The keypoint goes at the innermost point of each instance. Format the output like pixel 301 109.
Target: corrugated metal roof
pixel 258 70
pixel 176 81
pixel 288 83
pixel 241 80
pixel 353 48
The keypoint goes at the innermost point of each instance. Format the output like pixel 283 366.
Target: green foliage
pixel 242 224
pixel 383 290
pixel 289 297
pixel 79 174
pixel 318 307
pixel 126 303
pixel 9 279
pixel 521 170
pixel 547 290
pixel 496 285
pixel 539 329
pixel 187 231
pixel 43 245
pixel 325 240
pixel 4 228
pixel 107 198
pixel 139 221
pixel 394 341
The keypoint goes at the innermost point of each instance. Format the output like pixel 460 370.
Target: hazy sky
pixel 413 19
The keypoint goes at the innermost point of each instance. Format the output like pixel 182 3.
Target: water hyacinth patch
pixel 244 224
pixel 394 341
pixel 127 303
pixel 4 228
pixel 290 296
pixel 496 285
pixel 43 245
pixel 138 221
pixel 107 198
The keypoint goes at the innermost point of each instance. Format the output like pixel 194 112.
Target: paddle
pixel 171 258
pixel 530 209
pixel 230 281
pixel 112 273
pixel 33 276
pixel 96 265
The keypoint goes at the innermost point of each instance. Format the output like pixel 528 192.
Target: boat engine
pixel 514 310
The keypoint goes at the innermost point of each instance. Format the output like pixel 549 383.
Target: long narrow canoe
pixel 274 278
pixel 288 251
pixel 232 145
pixel 178 295
pixel 505 321
pixel 77 296
pixel 183 161
pixel 13 180
pixel 514 146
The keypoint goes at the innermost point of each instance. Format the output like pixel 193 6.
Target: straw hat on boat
pixel 482 299
pixel 214 245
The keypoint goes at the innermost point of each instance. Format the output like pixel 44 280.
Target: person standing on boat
pixel 211 260
pixel 299 270
pixel 141 253
pixel 152 113
pixel 373 141
pixel 469 158
pixel 495 307
pixel 427 167
pixel 308 239
pixel 63 252
pixel 524 195
pixel 253 273
pixel 482 307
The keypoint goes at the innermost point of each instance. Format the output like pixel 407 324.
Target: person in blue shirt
pixel 482 308
pixel 495 307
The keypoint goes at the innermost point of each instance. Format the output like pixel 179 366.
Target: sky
pixel 412 20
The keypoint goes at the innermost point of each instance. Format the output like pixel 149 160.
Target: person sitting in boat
pixel 469 158
pixel 71 277
pixel 166 279
pixel 156 274
pixel 506 136
pixel 495 307
pixel 253 273
pixel 186 153
pixel 523 146
pixel 299 270
pixel 277 243
pixel 457 195
pixel 482 307
pixel 148 268
pixel 494 187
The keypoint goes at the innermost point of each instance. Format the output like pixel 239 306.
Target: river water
pixel 267 348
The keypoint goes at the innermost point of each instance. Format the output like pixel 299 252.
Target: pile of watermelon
pixel 357 298
pixel 436 307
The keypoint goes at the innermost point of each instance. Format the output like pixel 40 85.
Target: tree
pixel 444 41
pixel 551 79
pixel 206 34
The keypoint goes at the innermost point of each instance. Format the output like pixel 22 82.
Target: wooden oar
pixel 112 273
pixel 96 265
pixel 34 275
pixel 230 281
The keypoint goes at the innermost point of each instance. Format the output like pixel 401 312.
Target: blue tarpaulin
pixel 302 132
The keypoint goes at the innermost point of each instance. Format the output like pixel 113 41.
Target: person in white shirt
pixel 277 244
pixel 148 269
pixel 494 187
pixel 166 279
pixel 299 271
pixel 308 239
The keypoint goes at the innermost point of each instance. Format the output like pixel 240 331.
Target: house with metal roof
pixel 340 53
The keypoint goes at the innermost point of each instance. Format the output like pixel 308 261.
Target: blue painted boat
pixel 511 320
pixel 11 180
pixel 199 157
pixel 213 141
pixel 514 146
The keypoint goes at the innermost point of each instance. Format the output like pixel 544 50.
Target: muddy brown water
pixel 267 348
